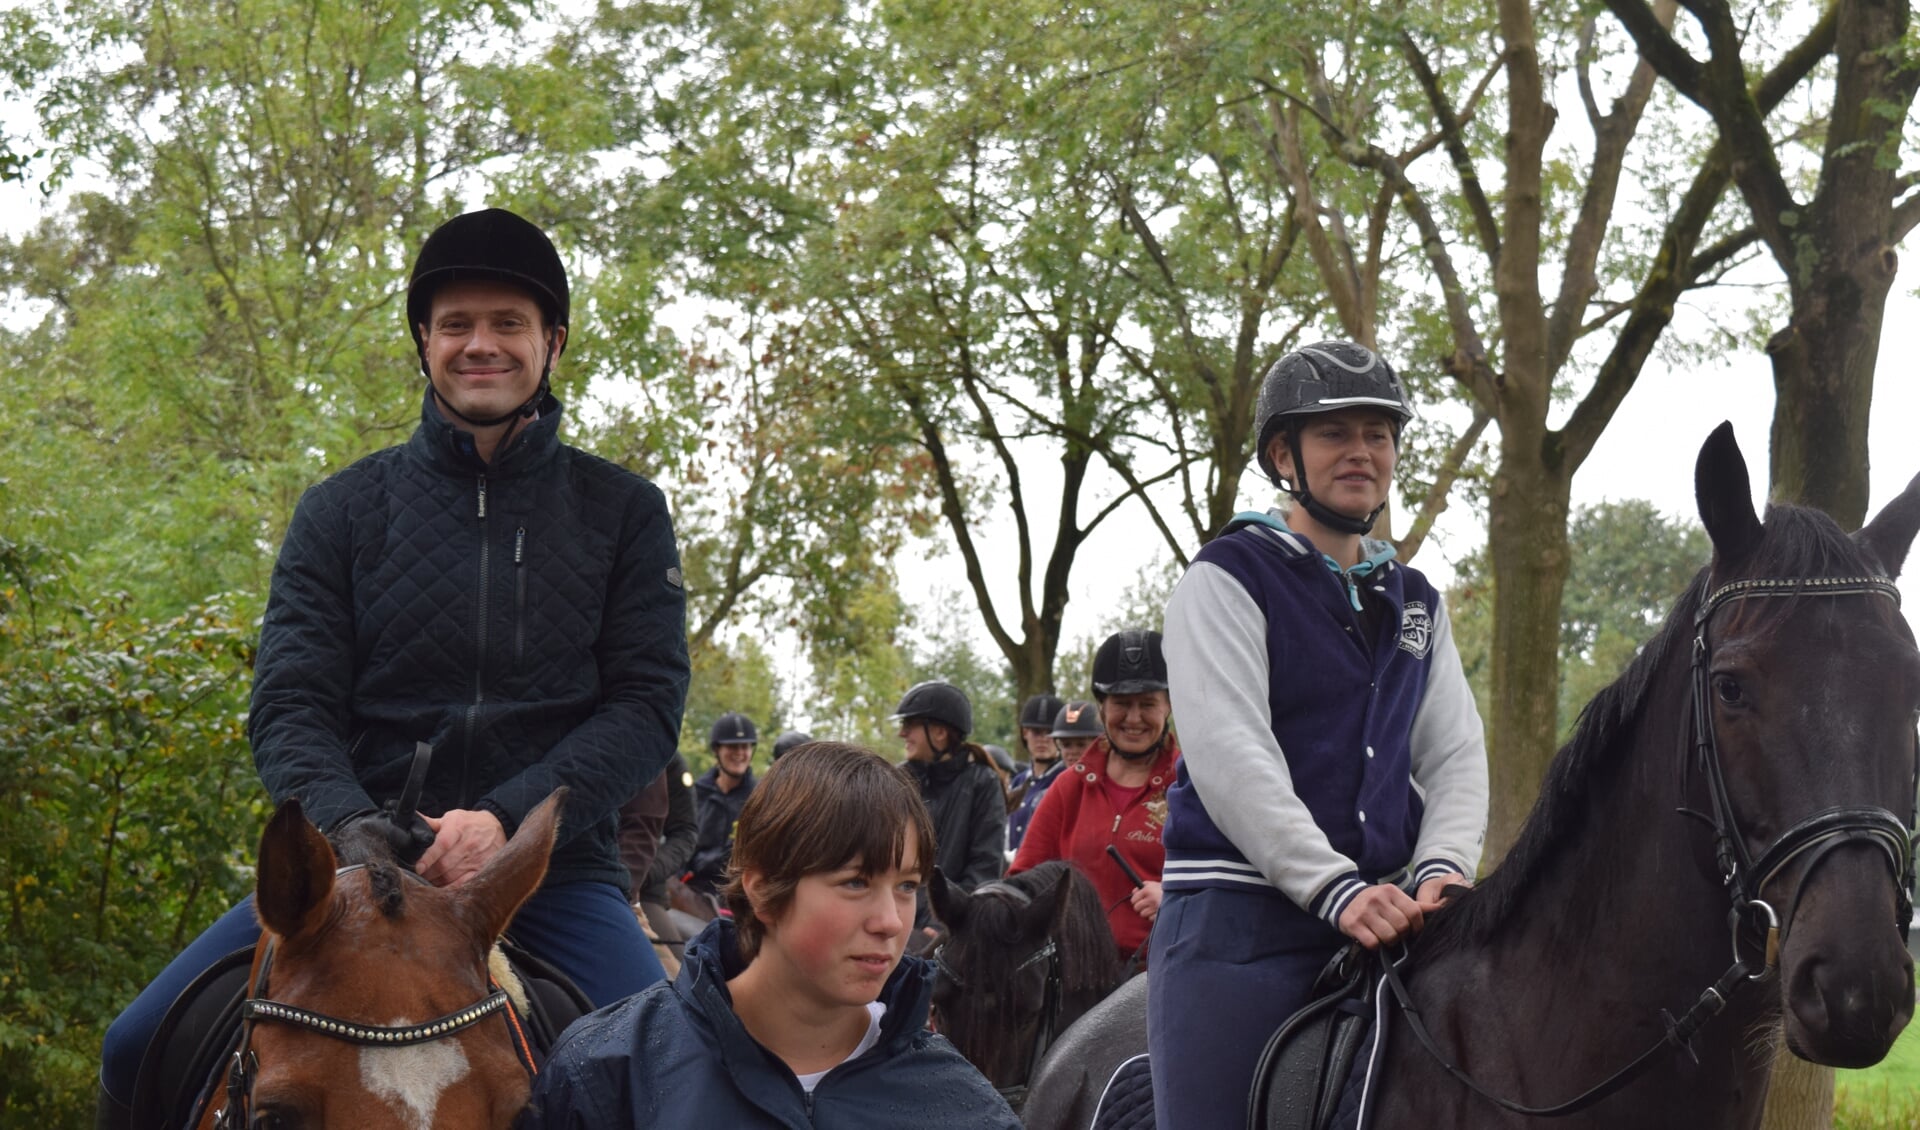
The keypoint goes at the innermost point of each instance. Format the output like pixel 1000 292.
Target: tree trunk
pixel 1823 370
pixel 1527 543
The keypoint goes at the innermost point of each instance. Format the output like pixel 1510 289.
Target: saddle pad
pixel 1127 1103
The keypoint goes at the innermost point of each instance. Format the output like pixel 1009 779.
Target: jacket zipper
pixel 479 649
pixel 519 596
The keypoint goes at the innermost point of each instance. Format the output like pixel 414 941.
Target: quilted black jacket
pixel 526 618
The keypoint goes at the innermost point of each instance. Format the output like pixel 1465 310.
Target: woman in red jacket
pixel 1115 793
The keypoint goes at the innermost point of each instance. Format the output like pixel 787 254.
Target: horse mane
pixel 363 844
pixel 1796 542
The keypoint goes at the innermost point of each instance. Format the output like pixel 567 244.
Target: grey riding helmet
pixel 1327 376
pixel 1077 720
pixel 732 729
pixel 936 701
pixel 1130 662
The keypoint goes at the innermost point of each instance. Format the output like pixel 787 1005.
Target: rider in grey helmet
pixel 960 783
pixel 1334 784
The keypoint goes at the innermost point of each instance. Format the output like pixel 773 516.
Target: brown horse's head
pixel 373 946
pixel 1812 701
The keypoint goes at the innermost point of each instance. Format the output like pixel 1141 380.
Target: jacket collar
pixel 445 445
pixel 1093 764
pixel 713 956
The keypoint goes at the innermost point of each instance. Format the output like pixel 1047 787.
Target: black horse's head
pixel 1022 958
pixel 1806 689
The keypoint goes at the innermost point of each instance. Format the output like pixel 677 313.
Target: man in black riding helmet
pixel 720 794
pixel 959 782
pixel 483 589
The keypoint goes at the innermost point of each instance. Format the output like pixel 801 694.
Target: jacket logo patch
pixel 1416 630
pixel 1157 811
pixel 673 576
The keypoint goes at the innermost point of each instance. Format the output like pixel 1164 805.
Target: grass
pixel 1885 1096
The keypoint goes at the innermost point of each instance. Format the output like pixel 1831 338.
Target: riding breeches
pixel 587 930
pixel 1229 967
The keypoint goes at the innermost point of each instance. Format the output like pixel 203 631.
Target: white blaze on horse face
pixel 412 1079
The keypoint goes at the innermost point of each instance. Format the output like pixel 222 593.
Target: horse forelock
pixel 1796 542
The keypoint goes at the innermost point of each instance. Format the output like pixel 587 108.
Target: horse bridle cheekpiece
pixel 258 1007
pixel 1745 877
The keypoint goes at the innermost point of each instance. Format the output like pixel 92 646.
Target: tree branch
pixel 1658 47
pixel 1484 223
pixel 1434 502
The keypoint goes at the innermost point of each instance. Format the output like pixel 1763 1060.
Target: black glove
pixel 409 841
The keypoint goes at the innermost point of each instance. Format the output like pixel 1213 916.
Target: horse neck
pixel 1625 919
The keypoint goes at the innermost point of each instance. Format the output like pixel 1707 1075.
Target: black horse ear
pixel 950 903
pixel 1725 496
pixel 1890 534
pixel 295 873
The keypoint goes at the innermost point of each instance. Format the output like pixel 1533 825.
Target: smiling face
pixel 1135 722
pixel 1348 457
pixel 734 758
pixel 837 941
pixel 486 347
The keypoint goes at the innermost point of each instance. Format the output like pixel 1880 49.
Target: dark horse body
pixel 1611 908
pixel 374 1005
pixel 1023 958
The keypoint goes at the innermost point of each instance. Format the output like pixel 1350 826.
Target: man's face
pixel 486 346
pixel 734 757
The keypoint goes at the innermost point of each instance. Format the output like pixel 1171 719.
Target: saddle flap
pixel 553 1000
pixel 198 1033
pixel 1304 1067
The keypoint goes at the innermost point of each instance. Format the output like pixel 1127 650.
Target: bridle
pixel 1051 991
pixel 244 1065
pixel 1744 877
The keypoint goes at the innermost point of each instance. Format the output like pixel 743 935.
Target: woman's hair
pixel 822 807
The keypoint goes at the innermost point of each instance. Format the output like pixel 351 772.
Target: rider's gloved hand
pixel 408 841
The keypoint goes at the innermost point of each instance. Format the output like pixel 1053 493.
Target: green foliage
pixel 130 800
pixel 1630 563
pixel 1885 1096
pixel 735 676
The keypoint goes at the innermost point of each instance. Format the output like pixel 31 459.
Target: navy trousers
pixel 1229 967
pixel 587 930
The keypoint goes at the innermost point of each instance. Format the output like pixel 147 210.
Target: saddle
pixel 1302 1080
pixel 179 1073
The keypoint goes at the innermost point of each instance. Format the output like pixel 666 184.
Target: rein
pixel 1051 993
pixel 258 1007
pixel 1744 877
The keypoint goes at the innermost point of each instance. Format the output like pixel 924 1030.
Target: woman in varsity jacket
pixel 1334 778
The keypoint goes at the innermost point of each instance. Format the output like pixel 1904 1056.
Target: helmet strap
pixel 1325 515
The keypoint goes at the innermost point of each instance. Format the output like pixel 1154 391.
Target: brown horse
pixel 370 1002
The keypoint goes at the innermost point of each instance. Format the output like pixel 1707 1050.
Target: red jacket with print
pixel 1076 821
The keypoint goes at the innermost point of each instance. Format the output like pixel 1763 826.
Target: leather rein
pixel 1743 876
pixel 1051 993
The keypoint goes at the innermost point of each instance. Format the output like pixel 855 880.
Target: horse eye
pixel 1728 690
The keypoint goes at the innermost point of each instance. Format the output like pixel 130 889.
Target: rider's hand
pixel 1381 915
pixel 1146 900
pixel 463 842
pixel 1433 893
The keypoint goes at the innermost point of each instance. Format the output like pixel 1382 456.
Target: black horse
pixel 1022 959
pixel 1742 794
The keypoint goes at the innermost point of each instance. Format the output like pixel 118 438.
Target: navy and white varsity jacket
pixel 1315 764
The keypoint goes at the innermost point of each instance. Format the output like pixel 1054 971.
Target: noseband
pixel 1051 992
pixel 258 1007
pixel 1744 876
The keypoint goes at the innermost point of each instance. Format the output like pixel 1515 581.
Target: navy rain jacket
pixel 676 1055
pixel 525 618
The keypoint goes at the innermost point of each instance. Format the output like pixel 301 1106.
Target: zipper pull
pixel 1116 823
pixel 519 546
pixel 483 496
